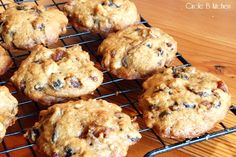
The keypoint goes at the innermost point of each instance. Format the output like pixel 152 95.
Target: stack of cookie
pixel 178 103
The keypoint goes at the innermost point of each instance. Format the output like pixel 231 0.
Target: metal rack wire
pixel 113 89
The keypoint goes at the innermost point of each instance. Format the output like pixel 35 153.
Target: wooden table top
pixel 206 38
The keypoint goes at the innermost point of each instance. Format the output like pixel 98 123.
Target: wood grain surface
pixel 207 39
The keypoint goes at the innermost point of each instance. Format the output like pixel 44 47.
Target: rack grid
pixel 113 89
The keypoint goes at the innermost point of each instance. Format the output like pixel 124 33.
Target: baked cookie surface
pixel 102 16
pixel 137 52
pixel 92 128
pixel 5 61
pixel 25 26
pixel 8 110
pixel 56 75
pixel 184 103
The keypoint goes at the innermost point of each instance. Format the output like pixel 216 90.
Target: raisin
pixel 57 84
pixel 94 78
pixel 113 53
pixel 163 114
pixel 207 104
pixel 69 152
pixel 55 154
pixel 102 130
pixel 153 107
pixel 22 85
pixel 124 62
pixel 221 85
pixel 35 132
pixel 58 55
pixel 38 87
pixel 75 82
pixel 189 105
pixel 54 135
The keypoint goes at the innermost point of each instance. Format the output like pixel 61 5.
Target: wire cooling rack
pixel 113 89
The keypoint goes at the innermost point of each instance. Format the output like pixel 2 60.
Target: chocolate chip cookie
pixel 56 75
pixel 8 110
pixel 137 52
pixel 102 16
pixel 5 61
pixel 92 128
pixel 184 102
pixel 24 26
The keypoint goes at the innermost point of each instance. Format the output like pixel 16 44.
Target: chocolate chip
pixel 57 84
pixel 163 114
pixel 38 61
pixel 189 105
pixel 203 94
pixel 22 85
pixel 161 52
pixel 75 82
pixel 94 78
pixel 69 152
pixel 58 55
pixel 41 27
pixel 174 107
pixel 149 45
pixel 124 62
pixel 137 29
pixel 21 7
pixel 11 33
pixel 169 44
pixel 221 85
pixel 218 105
pixel 133 139
pixel 96 21
pixel 38 87
pixel 112 4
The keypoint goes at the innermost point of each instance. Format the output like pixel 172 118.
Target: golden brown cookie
pixel 5 61
pixel 25 26
pixel 8 110
pixel 102 16
pixel 56 75
pixel 137 52
pixel 92 128
pixel 184 103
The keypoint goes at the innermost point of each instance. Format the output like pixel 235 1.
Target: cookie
pixel 137 52
pixel 6 61
pixel 92 128
pixel 184 102
pixel 25 26
pixel 56 75
pixel 8 110
pixel 102 16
